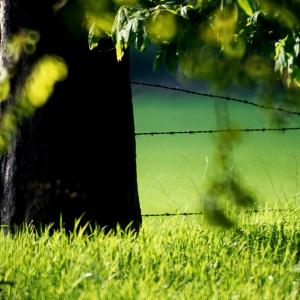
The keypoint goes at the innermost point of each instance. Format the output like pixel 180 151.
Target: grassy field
pixel 172 258
pixel 172 170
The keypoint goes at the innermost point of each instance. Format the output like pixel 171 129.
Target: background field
pixel 171 168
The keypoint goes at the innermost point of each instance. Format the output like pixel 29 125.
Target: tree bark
pixel 77 153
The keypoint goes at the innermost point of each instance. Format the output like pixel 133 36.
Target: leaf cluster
pixel 169 24
pixel 248 39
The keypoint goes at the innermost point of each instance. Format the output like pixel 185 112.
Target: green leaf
pixel 171 58
pixel 184 12
pixel 120 51
pixel 94 36
pixel 254 17
pixel 127 31
pixel 120 20
pixel 245 5
pixel 281 61
pixel 278 46
pixel 297 47
pixel 140 42
pixel 159 58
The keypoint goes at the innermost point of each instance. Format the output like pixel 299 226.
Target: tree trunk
pixel 77 153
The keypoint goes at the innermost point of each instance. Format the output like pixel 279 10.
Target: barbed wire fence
pixel 247 130
pixel 283 129
pixel 203 213
pixel 297 113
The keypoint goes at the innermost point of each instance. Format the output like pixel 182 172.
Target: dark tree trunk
pixel 77 153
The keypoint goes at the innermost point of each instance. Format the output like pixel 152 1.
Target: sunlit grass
pixel 171 168
pixel 172 258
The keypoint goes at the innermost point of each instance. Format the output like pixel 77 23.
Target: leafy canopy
pixel 246 40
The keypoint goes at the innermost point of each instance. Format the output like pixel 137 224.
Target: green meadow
pixel 180 257
pixel 172 258
pixel 173 169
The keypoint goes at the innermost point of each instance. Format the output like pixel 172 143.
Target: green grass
pixel 172 258
pixel 171 168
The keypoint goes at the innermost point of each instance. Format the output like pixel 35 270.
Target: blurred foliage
pixel 226 182
pixel 36 90
pixel 228 42
pixel 45 73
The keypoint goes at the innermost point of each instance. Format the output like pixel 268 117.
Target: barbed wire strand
pixel 203 213
pixel 216 96
pixel 172 214
pixel 215 131
pixel 283 129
